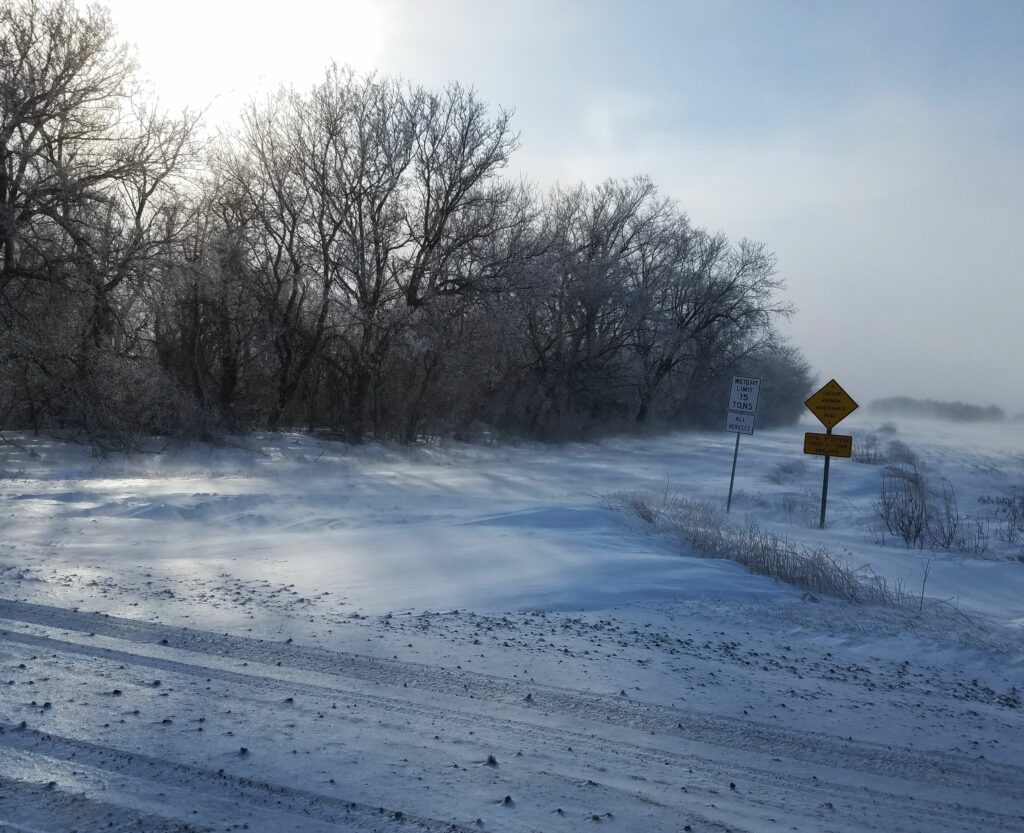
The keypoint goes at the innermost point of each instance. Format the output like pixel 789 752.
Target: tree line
pixel 351 258
pixel 908 406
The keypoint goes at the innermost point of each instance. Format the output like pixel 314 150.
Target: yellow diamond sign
pixel 831 404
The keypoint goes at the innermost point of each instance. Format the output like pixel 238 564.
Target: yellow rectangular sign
pixel 829 445
pixel 831 405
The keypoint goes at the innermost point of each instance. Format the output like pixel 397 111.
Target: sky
pixel 876 148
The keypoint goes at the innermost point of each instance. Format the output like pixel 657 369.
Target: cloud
pixel 896 223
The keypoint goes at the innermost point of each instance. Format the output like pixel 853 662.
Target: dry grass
pixel 921 515
pixel 870 450
pixel 903 505
pixel 701 530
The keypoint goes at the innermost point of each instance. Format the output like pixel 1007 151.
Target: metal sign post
pixel 831 405
pixel 824 487
pixel 740 418
pixel 732 477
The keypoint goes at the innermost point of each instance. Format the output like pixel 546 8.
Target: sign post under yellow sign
pixel 831 405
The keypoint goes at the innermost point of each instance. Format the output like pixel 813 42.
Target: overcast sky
pixel 875 147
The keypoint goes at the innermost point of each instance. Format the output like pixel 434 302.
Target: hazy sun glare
pixel 219 54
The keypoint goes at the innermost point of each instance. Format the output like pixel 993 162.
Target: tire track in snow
pixel 77 750
pixel 29 807
pixel 766 788
pixel 777 794
pixel 275 799
pixel 934 767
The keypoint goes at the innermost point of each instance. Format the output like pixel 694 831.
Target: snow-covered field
pixel 297 635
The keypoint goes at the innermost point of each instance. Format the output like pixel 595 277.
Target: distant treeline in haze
pixel 934 409
pixel 348 258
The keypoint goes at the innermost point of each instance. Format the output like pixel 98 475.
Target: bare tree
pixel 91 204
pixel 575 303
pixel 366 199
pixel 709 307
pixel 454 201
pixel 64 85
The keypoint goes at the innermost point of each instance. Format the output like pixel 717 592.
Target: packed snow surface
pixel 288 634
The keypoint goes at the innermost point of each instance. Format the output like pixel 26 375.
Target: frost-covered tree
pixel 90 213
pixel 350 257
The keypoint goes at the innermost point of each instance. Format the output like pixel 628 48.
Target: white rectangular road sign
pixel 740 423
pixel 744 394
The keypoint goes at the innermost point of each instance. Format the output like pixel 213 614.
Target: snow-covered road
pixel 313 638
pixel 151 721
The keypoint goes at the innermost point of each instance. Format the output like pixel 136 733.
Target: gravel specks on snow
pixel 306 636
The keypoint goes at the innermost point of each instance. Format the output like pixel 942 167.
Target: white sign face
pixel 740 423
pixel 744 394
